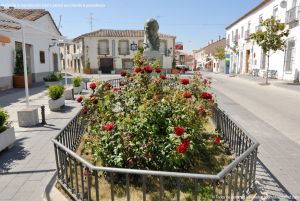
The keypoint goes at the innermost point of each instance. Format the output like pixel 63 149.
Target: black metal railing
pixel 84 181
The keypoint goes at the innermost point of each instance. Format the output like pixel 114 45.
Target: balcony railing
pixel 292 15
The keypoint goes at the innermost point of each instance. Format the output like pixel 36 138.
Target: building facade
pixel 246 57
pixel 111 51
pixel 205 58
pixel 41 48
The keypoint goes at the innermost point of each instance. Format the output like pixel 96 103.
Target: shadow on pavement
pixel 9 156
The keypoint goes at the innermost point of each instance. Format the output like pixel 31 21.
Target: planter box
pixel 55 105
pixel 7 138
pixel 78 90
pixel 52 83
pixel 87 71
pixel 28 117
pixel 19 81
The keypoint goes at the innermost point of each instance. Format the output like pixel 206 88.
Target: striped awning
pixel 4 39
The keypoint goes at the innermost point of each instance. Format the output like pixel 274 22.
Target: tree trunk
pixel 267 77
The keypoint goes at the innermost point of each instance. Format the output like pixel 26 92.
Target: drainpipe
pixel 25 66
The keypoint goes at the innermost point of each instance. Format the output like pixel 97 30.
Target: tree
pixel 270 38
pixel 220 53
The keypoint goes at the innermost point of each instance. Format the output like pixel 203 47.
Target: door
pixel 55 62
pixel 106 65
pixel 247 61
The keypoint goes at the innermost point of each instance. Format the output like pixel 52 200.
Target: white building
pixel 247 57
pixel 42 51
pixel 113 50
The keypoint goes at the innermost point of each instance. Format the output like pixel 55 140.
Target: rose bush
pixel 150 122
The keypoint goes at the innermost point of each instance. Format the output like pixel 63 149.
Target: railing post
pixel 43 115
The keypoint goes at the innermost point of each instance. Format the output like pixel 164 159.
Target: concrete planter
pixel 68 93
pixel 78 90
pixel 52 83
pixel 7 138
pixel 55 105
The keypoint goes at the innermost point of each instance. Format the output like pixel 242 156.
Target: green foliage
pixel 19 67
pixel 76 81
pixel 156 63
pixel 220 53
pixel 271 36
pixel 53 77
pixel 3 119
pixel 144 115
pixel 139 59
pixel 55 91
pixel 174 63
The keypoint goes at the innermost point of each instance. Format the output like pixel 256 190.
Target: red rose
pixel 182 148
pixel 109 126
pixel 148 69
pixel 84 110
pixel 79 99
pixel 91 95
pixel 217 140
pixel 158 70
pixel 185 81
pixel 123 73
pixel 137 69
pixel 93 85
pixel 117 89
pixel 187 95
pixel 186 142
pixel 202 110
pixel 163 77
pixel 178 130
pixel 206 96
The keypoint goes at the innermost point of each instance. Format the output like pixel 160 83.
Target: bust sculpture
pixel 151 38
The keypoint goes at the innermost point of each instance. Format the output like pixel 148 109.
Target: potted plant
pixel 87 67
pixel 18 77
pixel 56 100
pixel 53 79
pixel 7 133
pixel 77 84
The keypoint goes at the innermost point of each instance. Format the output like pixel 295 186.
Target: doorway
pixel 247 61
pixel 55 62
pixel 106 65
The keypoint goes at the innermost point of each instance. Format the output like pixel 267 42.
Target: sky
pixel 193 22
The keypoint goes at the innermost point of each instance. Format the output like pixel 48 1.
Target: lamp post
pixel 25 66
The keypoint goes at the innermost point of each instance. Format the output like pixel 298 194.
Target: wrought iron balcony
pixel 292 15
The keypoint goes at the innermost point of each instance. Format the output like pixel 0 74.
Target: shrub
pixel 149 123
pixel 76 81
pixel 3 119
pixel 53 77
pixel 55 91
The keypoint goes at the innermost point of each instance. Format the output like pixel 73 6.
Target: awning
pixel 4 39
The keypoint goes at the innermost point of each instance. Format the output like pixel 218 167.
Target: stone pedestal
pixel 152 55
pixel 68 93
pixel 28 117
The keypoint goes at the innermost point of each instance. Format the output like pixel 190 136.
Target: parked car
pixel 182 67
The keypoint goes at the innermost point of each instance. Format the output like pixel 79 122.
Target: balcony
pixel 292 15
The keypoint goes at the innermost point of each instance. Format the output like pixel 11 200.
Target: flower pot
pixel 52 83
pixel 87 70
pixel 19 81
pixel 78 90
pixel 55 105
pixel 7 138
pixel 175 71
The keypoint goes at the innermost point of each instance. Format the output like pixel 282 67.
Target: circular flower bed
pixel 151 122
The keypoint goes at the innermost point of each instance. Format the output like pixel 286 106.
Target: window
pixel 290 55
pixel 103 48
pixel 42 57
pixel 242 32
pixel 123 47
pixel 163 48
pixel 128 64
pixel 260 19
pixel 228 39
pixel 275 12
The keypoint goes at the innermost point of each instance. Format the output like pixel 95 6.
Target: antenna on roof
pixel 91 21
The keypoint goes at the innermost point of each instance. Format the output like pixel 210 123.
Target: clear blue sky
pixel 194 22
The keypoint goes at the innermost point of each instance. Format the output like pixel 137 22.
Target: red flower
pixel 79 99
pixel 182 148
pixel 163 77
pixel 95 101
pixel 217 140
pixel 109 126
pixel 186 142
pixel 202 110
pixel 141 62
pixel 93 85
pixel 117 89
pixel 178 130
pixel 187 95
pixel 91 95
pixel 185 81
pixel 158 70
pixel 137 69
pixel 206 96
pixel 86 172
pixel 84 110
pixel 123 73
pixel 148 69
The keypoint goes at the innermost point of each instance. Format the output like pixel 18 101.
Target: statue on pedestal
pixel 151 38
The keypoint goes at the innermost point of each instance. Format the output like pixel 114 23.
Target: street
pixel 271 114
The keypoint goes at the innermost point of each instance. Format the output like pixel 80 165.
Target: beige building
pixel 111 51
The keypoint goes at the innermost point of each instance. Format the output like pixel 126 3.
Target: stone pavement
pixel 27 168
